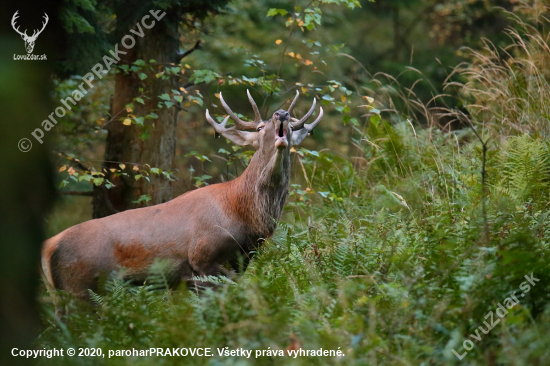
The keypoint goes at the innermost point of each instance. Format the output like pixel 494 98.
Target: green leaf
pixel 197 100
pixel 142 75
pixel 139 100
pixel 205 76
pixel 272 12
pixel 139 120
pixel 164 96
pixel 143 198
pixel 98 181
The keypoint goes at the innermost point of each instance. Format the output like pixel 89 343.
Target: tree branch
pixel 180 56
pixel 78 163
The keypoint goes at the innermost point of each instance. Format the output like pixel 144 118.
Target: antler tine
pixel 300 124
pixel 44 23
pixel 218 127
pixel 238 122
pixel 309 127
pixel 15 16
pixel 293 104
pixel 257 115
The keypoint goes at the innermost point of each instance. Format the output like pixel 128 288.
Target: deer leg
pixel 240 262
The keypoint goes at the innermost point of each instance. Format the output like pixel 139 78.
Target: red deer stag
pixel 197 232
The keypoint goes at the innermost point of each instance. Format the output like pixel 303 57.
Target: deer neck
pixel 262 189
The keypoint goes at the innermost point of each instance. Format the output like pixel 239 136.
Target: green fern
pixel 524 168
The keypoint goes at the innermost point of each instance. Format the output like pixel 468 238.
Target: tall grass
pixel 507 88
pixel 383 254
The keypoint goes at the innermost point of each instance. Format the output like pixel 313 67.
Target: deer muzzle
pixel 281 123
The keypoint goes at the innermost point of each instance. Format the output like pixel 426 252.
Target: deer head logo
pixel 29 40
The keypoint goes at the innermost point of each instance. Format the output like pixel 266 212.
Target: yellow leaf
pixel 279 41
pixel 291 54
pixel 127 122
pixel 122 166
pixel 292 150
pixel 343 98
pixel 187 66
pixel 187 105
pixel 217 95
pixel 299 57
pixel 308 62
pixel 135 168
pixel 112 170
pixel 304 89
pixel 129 110
pixel 70 171
pixel 369 99
pixel 63 168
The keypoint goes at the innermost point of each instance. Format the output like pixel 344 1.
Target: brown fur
pixel 198 231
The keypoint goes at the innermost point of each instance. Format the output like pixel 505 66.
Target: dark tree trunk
pixel 126 144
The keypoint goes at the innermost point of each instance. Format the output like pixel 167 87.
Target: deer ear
pixel 298 136
pixel 302 130
pixel 242 138
pixel 238 137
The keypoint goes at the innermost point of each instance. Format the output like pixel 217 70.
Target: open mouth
pixel 281 130
pixel 281 141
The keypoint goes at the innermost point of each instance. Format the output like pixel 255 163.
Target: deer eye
pixel 260 128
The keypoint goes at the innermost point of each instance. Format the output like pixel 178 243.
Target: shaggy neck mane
pixel 261 191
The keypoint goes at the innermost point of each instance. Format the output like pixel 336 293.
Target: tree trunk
pixel 127 144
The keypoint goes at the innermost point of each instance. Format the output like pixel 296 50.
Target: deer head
pixel 277 133
pixel 29 40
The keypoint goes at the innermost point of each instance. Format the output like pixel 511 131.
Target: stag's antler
pixel 239 123
pixel 35 34
pixel 218 127
pixel 298 124
pixel 15 16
